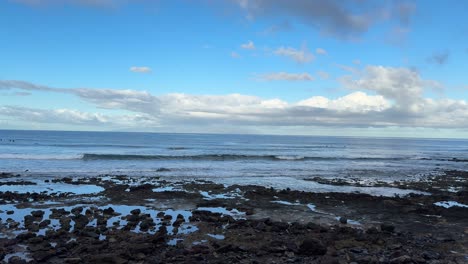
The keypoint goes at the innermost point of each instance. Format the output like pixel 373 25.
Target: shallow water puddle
pixel 21 252
pixel 10 215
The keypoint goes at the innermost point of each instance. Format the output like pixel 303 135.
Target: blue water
pixel 55 153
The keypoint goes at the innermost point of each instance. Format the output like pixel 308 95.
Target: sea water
pixel 233 157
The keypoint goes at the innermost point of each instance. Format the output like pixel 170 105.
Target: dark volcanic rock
pixel 38 213
pixel 312 246
pixel 387 228
pixel 107 259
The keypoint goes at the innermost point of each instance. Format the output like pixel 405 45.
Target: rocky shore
pixel 120 219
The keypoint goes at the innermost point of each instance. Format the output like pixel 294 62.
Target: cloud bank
pixel 378 97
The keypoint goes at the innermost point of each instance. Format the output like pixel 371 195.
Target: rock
pixel 343 220
pixel 145 248
pixel 25 236
pixel 80 221
pixel 36 240
pixel 312 246
pixel 387 228
pixel 140 256
pixel 72 260
pixel 77 210
pixel 38 213
pixel 44 223
pixel 135 211
pixel 107 259
pixel 57 213
pixel 91 234
pixel 10 212
pixel 41 256
pixel 401 260
pixel 430 255
pixel 133 218
pixel 108 211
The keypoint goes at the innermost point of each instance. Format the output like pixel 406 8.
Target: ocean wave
pixel 224 157
pixel 40 156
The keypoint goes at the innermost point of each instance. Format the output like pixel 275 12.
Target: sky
pixel 305 67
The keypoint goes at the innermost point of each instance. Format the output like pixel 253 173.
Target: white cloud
pixel 381 96
pixel 321 51
pixel 354 102
pixel 284 76
pixel 402 85
pixel 249 45
pixel 140 69
pixel 300 56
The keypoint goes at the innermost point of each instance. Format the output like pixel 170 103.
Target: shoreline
pixel 120 219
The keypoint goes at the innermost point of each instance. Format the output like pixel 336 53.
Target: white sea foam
pixel 49 188
pixel 449 204
pixel 311 186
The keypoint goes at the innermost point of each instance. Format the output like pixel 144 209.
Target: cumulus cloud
pixel 402 85
pixel 249 45
pixel 380 97
pixel 140 69
pixel 345 19
pixel 321 51
pixel 439 58
pixel 300 56
pixel 284 76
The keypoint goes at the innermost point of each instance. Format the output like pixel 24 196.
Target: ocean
pixel 234 157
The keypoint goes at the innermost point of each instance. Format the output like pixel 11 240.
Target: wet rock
pixel 80 221
pixel 135 211
pixel 44 223
pixel 57 213
pixel 37 214
pixel 343 220
pixel 160 215
pixel 108 211
pixel 133 218
pixel 10 212
pixel 65 223
pixel 77 210
pixel 312 246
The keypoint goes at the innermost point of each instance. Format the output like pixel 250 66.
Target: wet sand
pixel 120 219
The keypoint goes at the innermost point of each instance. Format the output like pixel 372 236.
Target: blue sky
pixel 385 68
